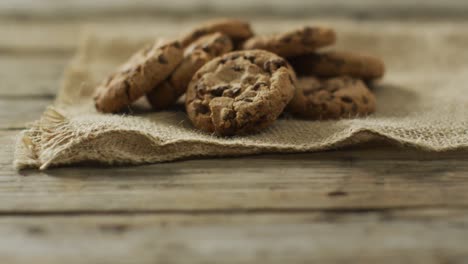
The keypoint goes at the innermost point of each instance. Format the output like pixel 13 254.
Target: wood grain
pixel 30 76
pixel 427 236
pixel 17 113
pixel 53 9
pixel 366 204
pixel 361 179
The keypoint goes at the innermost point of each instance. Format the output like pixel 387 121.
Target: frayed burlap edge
pixel 51 141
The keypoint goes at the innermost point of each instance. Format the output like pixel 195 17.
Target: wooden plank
pixel 363 8
pixel 27 37
pixel 16 113
pixel 390 237
pixel 30 76
pixel 38 37
pixel 363 178
pixel 31 64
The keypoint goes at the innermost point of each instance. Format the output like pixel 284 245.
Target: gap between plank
pixel 223 211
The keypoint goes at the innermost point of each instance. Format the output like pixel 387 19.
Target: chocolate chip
pixel 218 91
pixel 237 68
pixel 200 94
pixel 201 108
pixel 251 58
pixel 222 61
pixel 162 59
pixel 279 63
pixel 258 85
pixel 206 48
pixel 234 91
pixel 248 100
pixel 272 65
pixel 177 45
pixel 346 99
pixel 229 115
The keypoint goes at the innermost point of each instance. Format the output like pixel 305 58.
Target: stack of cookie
pixel 236 83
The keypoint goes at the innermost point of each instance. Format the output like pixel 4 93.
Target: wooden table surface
pixel 370 204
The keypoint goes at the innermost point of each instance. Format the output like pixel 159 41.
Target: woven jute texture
pixel 422 102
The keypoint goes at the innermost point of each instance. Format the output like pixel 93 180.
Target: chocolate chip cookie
pixel 295 42
pixel 137 76
pixel 196 55
pixel 237 30
pixel 240 92
pixel 339 63
pixel 340 97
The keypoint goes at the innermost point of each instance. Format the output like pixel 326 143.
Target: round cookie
pixel 214 44
pixel 240 92
pixel 340 97
pixel 196 55
pixel 237 30
pixel 295 42
pixel 137 76
pixel 339 63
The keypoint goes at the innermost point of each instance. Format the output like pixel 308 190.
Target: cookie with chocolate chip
pixel 196 55
pixel 295 42
pixel 339 63
pixel 142 72
pixel 340 97
pixel 237 30
pixel 240 92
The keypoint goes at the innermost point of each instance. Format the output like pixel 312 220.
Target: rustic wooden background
pixel 375 203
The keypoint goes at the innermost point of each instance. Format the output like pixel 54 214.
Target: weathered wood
pixel 32 37
pixel 363 178
pixel 362 8
pixel 336 206
pixel 30 76
pixel 16 113
pixel 27 37
pixel 391 237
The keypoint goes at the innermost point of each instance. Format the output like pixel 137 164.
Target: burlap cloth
pixel 422 102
